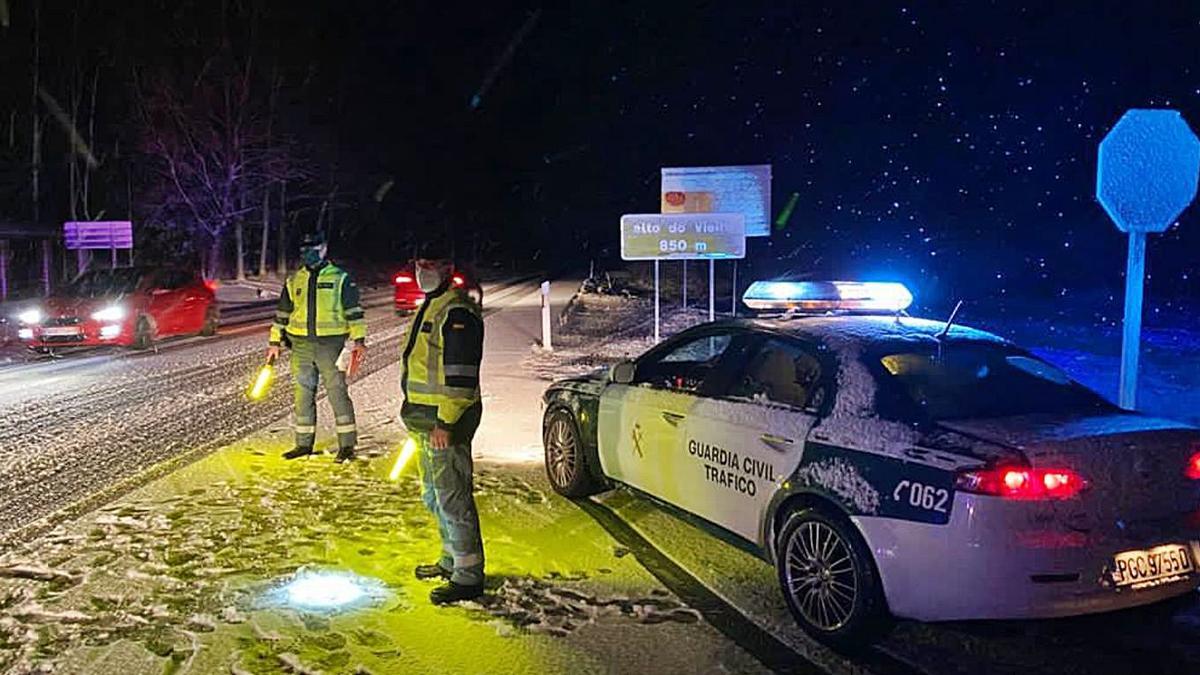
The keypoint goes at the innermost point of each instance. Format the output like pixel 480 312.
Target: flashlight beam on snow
pixel 329 590
pixel 402 460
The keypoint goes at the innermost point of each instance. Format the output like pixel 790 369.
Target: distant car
pixel 409 296
pixel 891 466
pixel 131 306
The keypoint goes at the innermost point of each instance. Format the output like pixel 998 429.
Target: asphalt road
pixel 78 430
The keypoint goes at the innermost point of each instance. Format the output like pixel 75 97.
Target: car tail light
pixel 458 280
pixel 211 284
pixel 1192 470
pixel 1022 483
pixel 403 279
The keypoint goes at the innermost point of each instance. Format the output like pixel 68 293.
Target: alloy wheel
pixel 819 574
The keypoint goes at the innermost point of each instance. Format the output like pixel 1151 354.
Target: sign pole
pixel 685 284
pixel 733 303
pixel 1135 280
pixel 656 302
pixel 712 292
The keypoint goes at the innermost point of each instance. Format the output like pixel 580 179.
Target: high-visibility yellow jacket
pixel 319 302
pixel 440 364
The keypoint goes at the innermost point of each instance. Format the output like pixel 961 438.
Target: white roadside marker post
pixel 546 345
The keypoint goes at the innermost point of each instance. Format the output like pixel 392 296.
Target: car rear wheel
pixel 143 334
pixel 829 579
pixel 566 464
pixel 212 319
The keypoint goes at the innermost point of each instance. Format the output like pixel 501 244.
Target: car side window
pixel 685 367
pixel 784 373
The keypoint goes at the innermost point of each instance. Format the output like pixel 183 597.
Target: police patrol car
pixel 891 466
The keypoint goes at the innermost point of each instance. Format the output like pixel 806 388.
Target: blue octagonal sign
pixel 1148 168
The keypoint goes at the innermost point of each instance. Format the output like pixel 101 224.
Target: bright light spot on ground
pixel 328 590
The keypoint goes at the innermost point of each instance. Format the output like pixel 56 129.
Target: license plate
pixel 1159 565
pixel 60 332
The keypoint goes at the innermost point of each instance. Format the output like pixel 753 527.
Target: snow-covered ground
pixel 186 574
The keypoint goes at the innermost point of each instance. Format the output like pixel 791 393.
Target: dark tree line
pixel 193 119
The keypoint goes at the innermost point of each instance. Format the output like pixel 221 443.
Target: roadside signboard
pixel 1146 176
pixel 100 235
pixel 721 189
pixel 683 236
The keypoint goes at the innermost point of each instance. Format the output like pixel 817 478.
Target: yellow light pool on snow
pixel 262 382
pixel 406 454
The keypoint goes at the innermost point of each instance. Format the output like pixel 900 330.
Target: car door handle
pixel 777 442
pixel 672 418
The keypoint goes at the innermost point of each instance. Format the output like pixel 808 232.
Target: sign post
pixel 1146 176
pixel 85 236
pixel 683 236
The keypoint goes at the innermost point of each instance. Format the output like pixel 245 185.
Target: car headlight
pixel 114 313
pixel 30 316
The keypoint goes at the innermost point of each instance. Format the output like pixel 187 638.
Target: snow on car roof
pixel 864 330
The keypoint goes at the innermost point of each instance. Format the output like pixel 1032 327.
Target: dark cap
pixel 312 239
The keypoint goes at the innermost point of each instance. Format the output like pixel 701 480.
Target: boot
pixel 452 592
pixel 298 451
pixel 344 455
pixel 434 571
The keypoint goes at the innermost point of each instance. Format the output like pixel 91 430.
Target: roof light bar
pixel 828 296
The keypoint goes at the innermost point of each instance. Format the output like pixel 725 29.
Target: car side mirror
pixel 622 373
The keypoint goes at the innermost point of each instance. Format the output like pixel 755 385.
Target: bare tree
pixel 209 144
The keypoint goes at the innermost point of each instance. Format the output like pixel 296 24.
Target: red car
pixel 130 306
pixel 409 296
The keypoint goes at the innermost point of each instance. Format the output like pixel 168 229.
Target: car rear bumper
pixel 1002 565
pixel 409 302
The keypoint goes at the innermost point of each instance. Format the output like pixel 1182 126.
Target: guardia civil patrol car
pixel 889 465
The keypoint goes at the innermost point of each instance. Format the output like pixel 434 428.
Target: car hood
pixel 591 383
pixel 83 306
pixel 1134 464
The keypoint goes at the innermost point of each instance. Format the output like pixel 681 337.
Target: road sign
pixel 683 236
pixel 1147 171
pixel 100 235
pixel 1146 176
pixel 721 189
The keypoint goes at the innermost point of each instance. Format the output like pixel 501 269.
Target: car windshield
pixel 982 380
pixel 97 283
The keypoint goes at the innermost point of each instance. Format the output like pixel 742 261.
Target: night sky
pixel 951 145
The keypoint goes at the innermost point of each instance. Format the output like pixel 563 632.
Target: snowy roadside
pixel 185 574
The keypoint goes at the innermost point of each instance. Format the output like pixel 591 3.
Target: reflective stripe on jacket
pixel 440 364
pixel 318 303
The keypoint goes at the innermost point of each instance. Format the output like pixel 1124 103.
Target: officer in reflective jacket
pixel 442 409
pixel 318 310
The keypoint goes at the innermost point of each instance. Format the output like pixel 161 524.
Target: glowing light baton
pixel 406 454
pixel 262 381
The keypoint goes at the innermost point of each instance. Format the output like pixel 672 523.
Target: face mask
pixel 312 256
pixel 429 278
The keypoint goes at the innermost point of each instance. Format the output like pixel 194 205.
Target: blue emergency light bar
pixel 863 297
